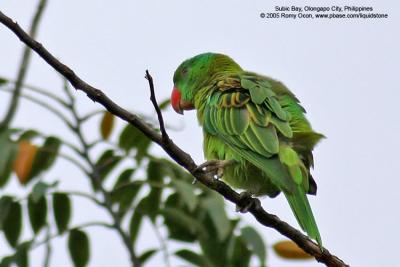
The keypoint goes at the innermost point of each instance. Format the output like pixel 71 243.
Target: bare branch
pixel 156 107
pixel 173 150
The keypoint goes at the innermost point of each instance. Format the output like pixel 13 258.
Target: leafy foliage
pixel 37 210
pixel 12 223
pixel 160 192
pixel 78 245
pixel 62 211
pixel 45 157
pixel 151 190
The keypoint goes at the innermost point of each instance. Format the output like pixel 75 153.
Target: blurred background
pixel 343 71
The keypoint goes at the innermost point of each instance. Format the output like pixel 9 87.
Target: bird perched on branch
pixel 256 134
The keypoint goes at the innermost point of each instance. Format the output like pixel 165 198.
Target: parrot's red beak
pixel 176 100
pixel 178 103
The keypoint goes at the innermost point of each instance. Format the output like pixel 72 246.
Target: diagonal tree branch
pixel 23 68
pixel 173 150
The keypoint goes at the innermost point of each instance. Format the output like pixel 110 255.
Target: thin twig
pixel 74 161
pixel 48 251
pixel 81 194
pixel 156 107
pixel 91 114
pixel 42 91
pixel 80 226
pixel 12 108
pixel 163 245
pixel 173 150
pixel 43 104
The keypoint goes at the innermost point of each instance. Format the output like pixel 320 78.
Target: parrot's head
pixel 193 74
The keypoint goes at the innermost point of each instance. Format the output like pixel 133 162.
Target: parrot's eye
pixel 184 71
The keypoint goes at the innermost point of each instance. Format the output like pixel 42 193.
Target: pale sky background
pixel 344 72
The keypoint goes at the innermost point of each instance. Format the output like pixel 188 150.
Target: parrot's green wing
pixel 262 121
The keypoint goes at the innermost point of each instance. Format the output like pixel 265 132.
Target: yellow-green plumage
pixel 257 122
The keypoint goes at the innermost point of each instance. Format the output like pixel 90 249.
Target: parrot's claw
pixel 215 167
pixel 246 201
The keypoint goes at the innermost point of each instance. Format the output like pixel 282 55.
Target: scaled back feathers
pixel 255 121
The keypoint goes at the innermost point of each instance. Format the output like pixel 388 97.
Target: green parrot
pixel 254 127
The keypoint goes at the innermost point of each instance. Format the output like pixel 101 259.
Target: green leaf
pixel 213 249
pixel 155 175
pixel 192 257
pixel 175 171
pixel 21 256
pixel 145 256
pixel 164 104
pixel 186 191
pixel 125 195
pixel 5 205
pixel 3 81
pixel 37 211
pixel 40 189
pixel 124 178
pixel 106 163
pixel 8 153
pixel 49 151
pixel 12 224
pixel 7 261
pixel 130 138
pixel 78 245
pixel 176 231
pixel 127 138
pixel 215 207
pixel 256 243
pixel 184 221
pixel 28 135
pixel 239 254
pixel 45 156
pixel 134 224
pixel 61 210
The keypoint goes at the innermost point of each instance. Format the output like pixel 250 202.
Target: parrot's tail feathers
pixel 301 208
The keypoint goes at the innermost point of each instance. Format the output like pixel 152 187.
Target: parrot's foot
pixel 246 201
pixel 214 167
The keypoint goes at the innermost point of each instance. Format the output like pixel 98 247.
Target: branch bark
pixel 171 149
